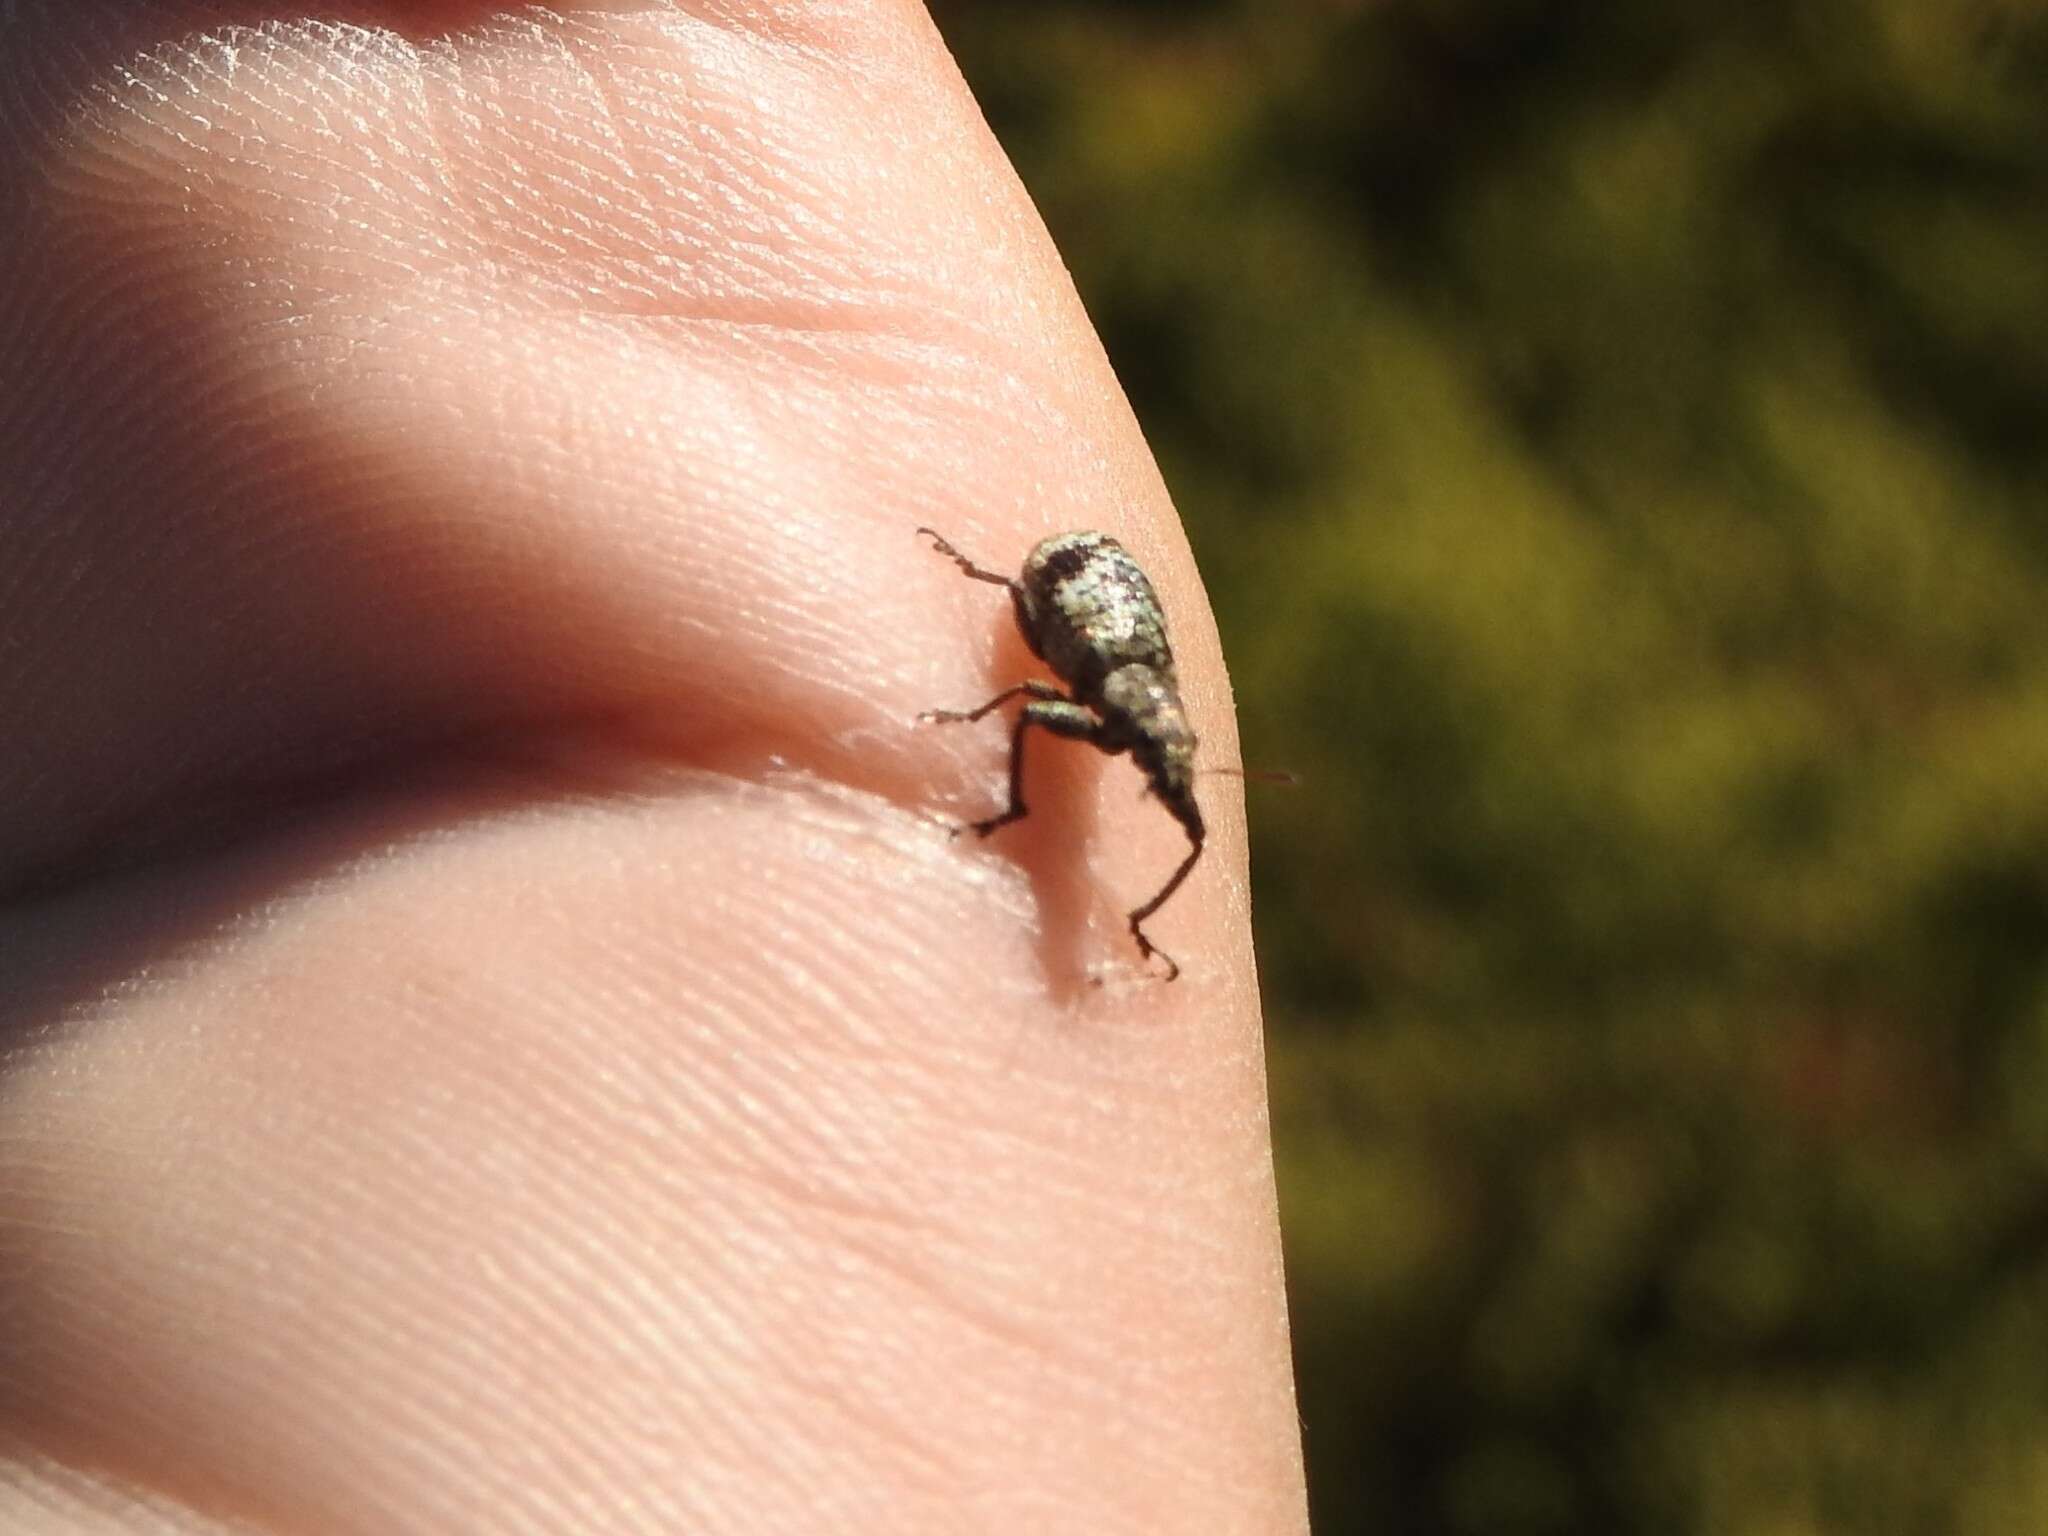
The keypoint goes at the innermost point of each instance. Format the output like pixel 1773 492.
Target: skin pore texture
pixel 494 1035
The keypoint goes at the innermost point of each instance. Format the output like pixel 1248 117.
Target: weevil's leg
pixel 1036 689
pixel 1059 715
pixel 1146 947
pixel 967 565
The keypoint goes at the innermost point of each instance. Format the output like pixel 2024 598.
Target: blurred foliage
pixel 1616 438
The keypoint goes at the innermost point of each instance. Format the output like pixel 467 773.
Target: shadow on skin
pixel 1051 842
pixel 69 949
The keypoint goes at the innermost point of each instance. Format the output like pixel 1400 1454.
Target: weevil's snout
pixel 1143 710
pixel 1172 778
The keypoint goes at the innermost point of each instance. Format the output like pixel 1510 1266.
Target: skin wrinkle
pixel 38 1485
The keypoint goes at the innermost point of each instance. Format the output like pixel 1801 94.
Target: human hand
pixel 496 1036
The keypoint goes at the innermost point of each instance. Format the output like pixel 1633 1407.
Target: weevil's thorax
pixel 1087 610
pixel 1142 713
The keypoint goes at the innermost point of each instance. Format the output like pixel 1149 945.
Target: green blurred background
pixel 1613 435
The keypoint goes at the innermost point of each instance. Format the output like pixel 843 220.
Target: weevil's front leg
pixel 1061 716
pixel 1036 689
pixel 1146 947
pixel 945 548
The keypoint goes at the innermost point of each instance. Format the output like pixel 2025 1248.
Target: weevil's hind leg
pixel 1036 689
pixel 1060 715
pixel 1146 947
pixel 945 548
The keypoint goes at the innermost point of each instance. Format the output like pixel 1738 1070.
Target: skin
pixel 494 1035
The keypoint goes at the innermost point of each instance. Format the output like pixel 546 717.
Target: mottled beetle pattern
pixel 1089 613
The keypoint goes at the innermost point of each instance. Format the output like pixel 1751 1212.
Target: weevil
pixel 1087 610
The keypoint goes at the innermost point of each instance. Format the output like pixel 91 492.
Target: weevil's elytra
pixel 1089 613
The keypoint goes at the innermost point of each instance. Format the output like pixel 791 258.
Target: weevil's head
pixel 1142 708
